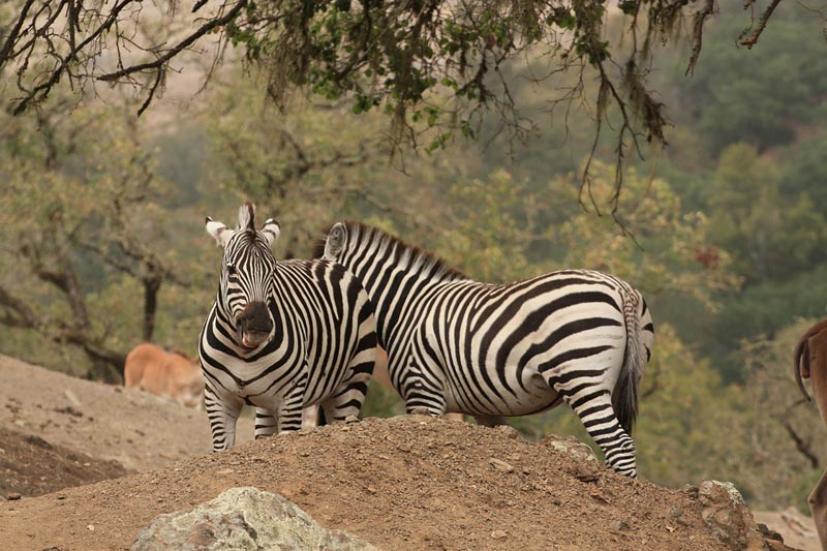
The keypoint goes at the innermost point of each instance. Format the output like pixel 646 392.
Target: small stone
pixel 599 497
pixel 72 398
pixel 509 431
pixel 225 471
pixel 690 490
pixel 499 535
pixel 501 465
pixel 371 490
pixel 584 474
pixel 620 526
pixel 90 527
pixel 13 496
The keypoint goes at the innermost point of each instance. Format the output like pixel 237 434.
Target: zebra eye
pixel 231 269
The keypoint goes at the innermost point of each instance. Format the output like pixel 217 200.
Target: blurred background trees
pixel 102 244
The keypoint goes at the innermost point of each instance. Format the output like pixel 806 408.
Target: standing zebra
pixel 459 345
pixel 282 335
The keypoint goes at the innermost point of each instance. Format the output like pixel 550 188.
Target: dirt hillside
pixel 401 483
pixel 138 430
pixel 30 466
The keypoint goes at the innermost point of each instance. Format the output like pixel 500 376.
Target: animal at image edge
pixel 459 345
pixel 150 368
pixel 282 336
pixel 811 363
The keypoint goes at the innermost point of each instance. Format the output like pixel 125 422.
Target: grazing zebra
pixel 282 336
pixel 459 345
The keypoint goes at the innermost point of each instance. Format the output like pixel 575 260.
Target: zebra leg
pixel 423 395
pixel 346 402
pixel 593 404
pixel 310 417
pixel 266 423
pixel 223 416
pixel 423 384
pixel 290 410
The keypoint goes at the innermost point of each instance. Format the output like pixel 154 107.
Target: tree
pixel 80 214
pixel 433 66
pixel 737 98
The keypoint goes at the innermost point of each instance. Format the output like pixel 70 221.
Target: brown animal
pixel 811 363
pixel 172 374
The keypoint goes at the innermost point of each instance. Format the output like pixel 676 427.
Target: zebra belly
pixel 535 397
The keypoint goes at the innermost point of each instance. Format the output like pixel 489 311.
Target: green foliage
pixel 762 98
pixel 769 233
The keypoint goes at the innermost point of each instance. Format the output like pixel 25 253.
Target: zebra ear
pixel 271 231
pixel 221 233
pixel 335 241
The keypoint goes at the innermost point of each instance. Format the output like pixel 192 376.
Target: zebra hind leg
pixel 593 405
pixel 346 402
pixel 266 423
pixel 423 390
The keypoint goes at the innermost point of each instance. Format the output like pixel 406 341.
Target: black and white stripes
pixel 458 345
pixel 282 336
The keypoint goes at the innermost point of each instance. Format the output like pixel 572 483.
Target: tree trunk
pixel 151 288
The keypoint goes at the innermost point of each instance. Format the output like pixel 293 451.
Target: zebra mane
pixel 247 218
pixel 420 257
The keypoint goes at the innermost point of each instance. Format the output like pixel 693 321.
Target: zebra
pixel 457 345
pixel 282 335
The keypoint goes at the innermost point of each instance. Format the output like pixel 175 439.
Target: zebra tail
pixel 625 394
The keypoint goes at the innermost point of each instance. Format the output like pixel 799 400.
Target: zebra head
pixel 247 274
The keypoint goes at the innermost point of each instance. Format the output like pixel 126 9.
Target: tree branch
pixel 749 39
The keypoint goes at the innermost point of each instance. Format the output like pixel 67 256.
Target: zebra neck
pixel 397 295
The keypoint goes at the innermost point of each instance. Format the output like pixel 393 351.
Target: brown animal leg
pixel 818 506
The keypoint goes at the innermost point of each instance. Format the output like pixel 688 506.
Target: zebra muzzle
pixel 254 324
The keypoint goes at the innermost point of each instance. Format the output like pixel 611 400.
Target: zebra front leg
pixel 291 407
pixel 266 423
pixel 223 415
pixel 593 404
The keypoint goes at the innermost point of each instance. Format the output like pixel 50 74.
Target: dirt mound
pixel 138 430
pixel 406 482
pixel 30 466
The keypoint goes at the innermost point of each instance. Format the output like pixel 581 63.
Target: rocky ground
pixel 401 483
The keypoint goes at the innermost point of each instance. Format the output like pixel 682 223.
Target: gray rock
pixel 728 517
pixel 572 446
pixel 243 519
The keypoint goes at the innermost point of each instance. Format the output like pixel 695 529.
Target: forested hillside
pixel 724 230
